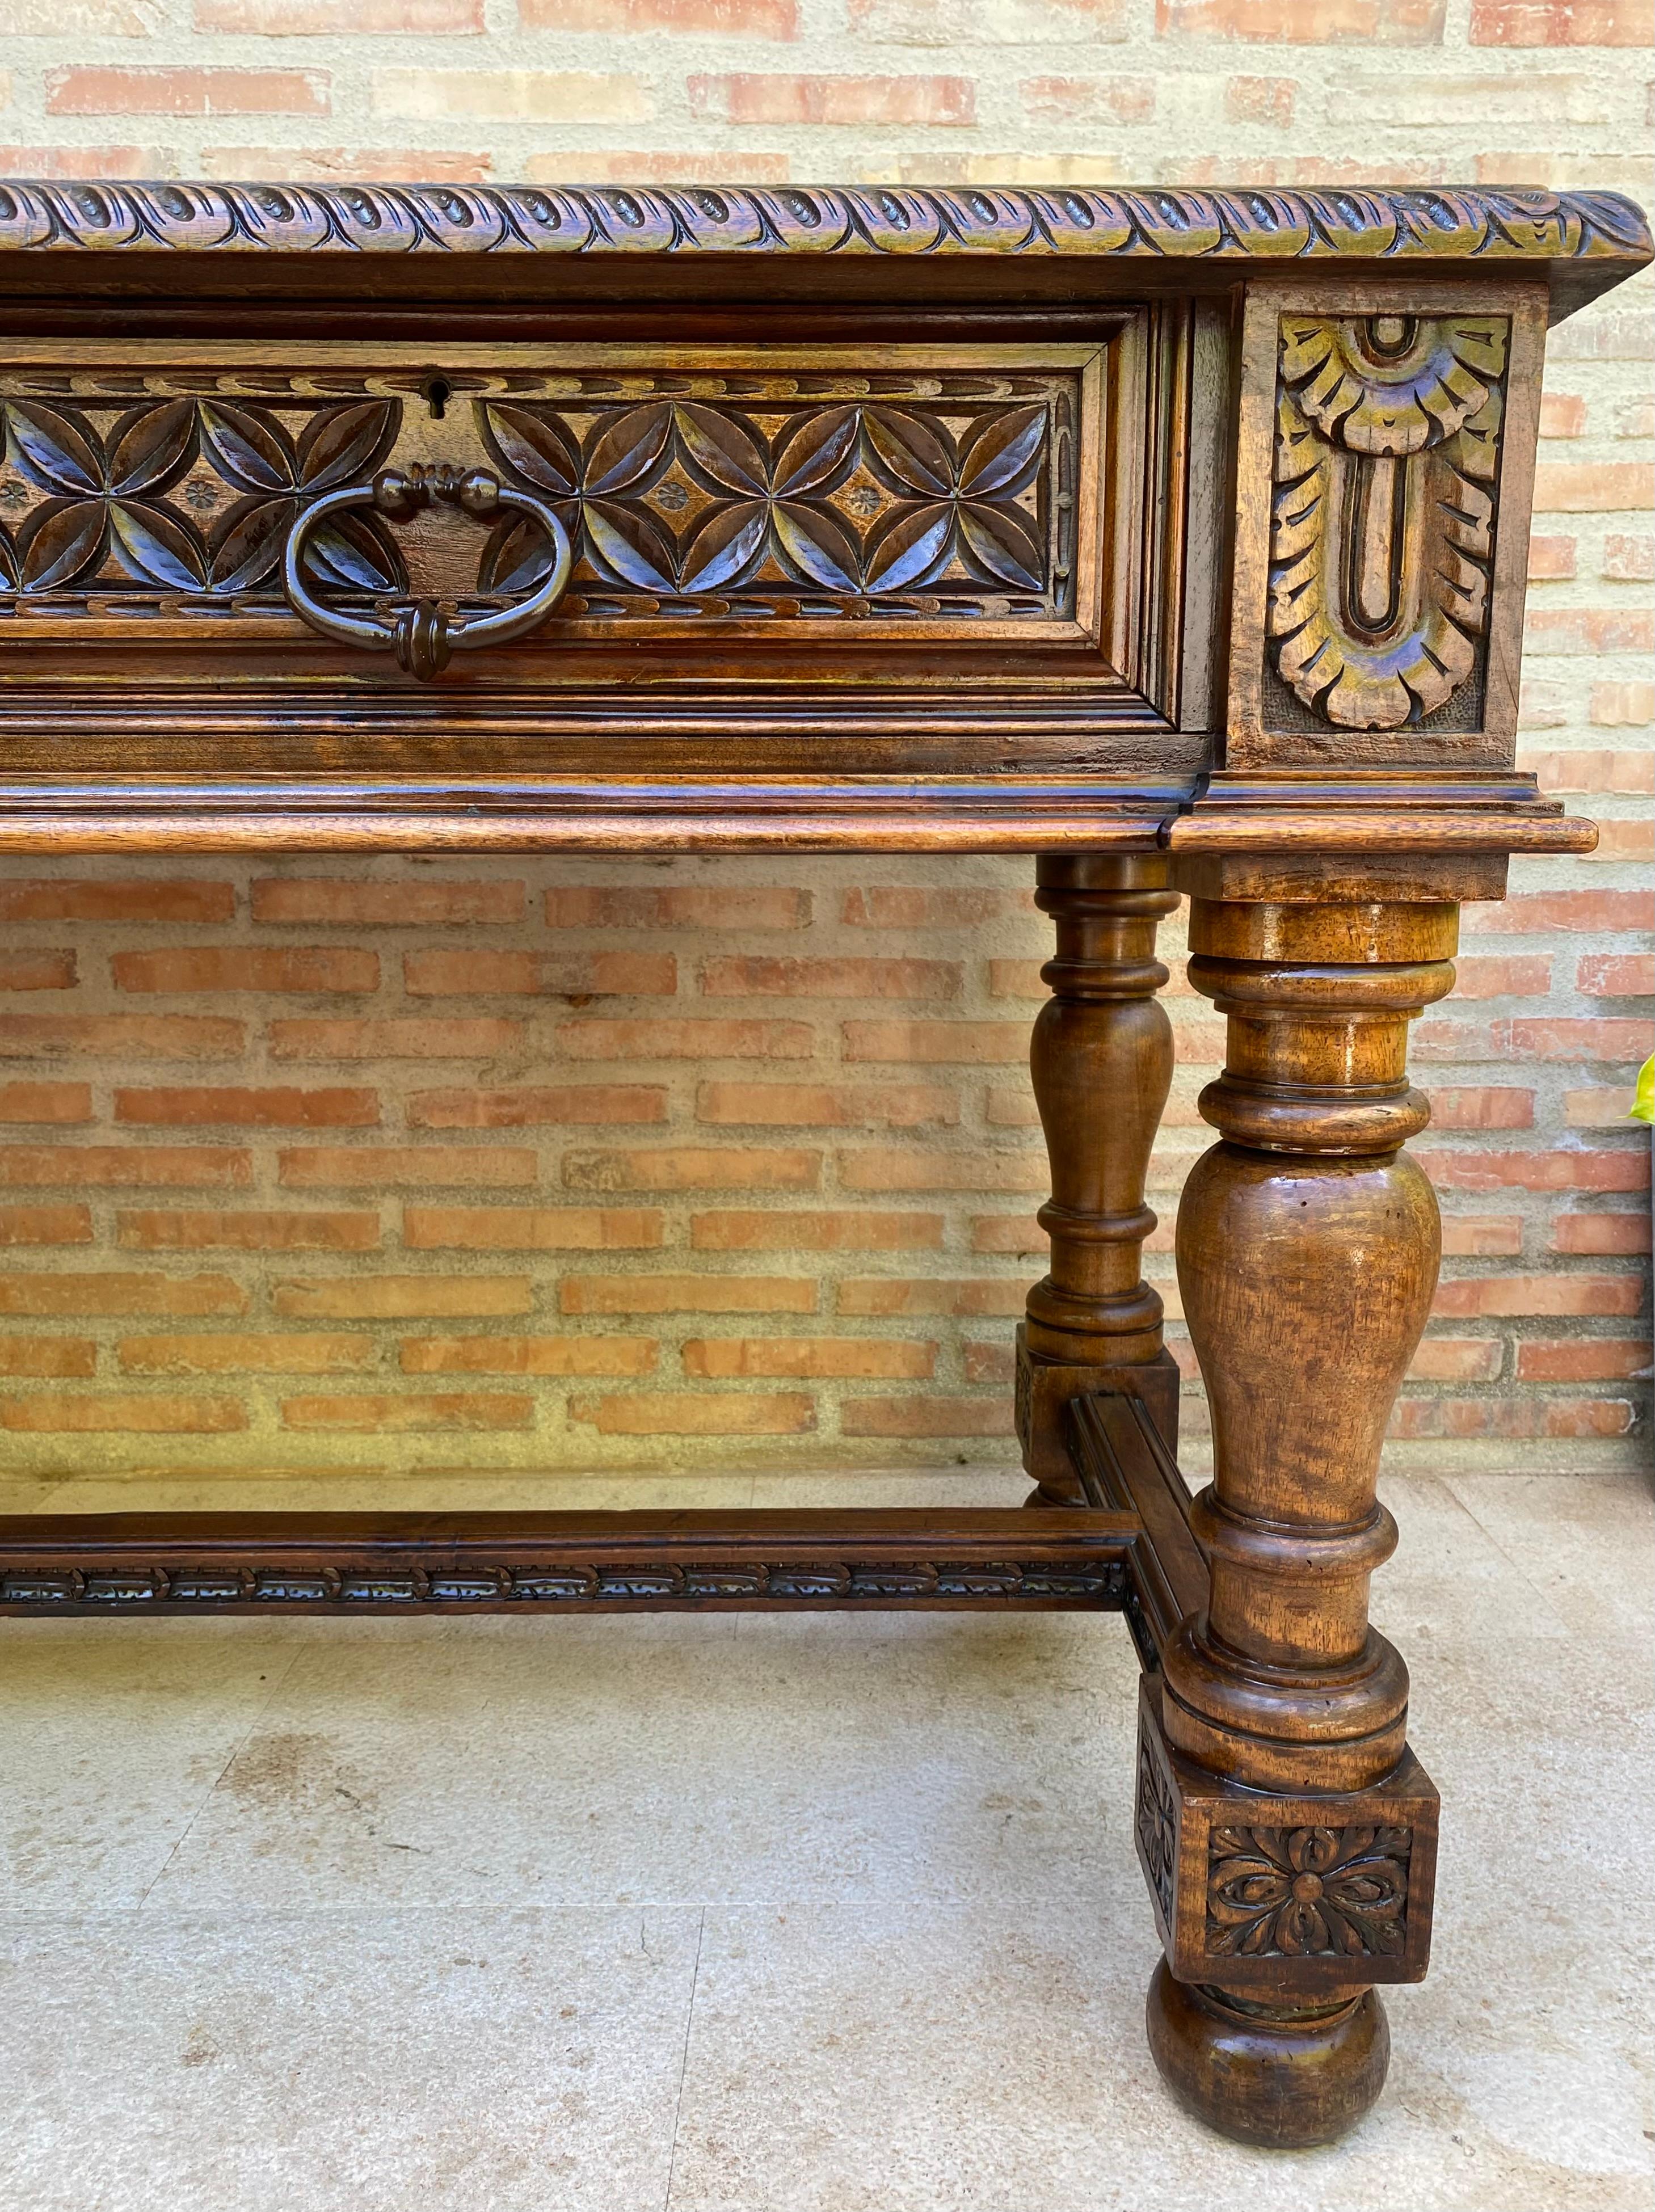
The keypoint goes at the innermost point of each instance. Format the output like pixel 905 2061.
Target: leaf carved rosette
pixel 1307 1893
pixel 1382 531
pixel 838 507
pixel 182 494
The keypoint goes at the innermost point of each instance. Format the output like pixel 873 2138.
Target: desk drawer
pixel 787 538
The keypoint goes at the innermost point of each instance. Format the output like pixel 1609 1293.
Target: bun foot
pixel 1281 2075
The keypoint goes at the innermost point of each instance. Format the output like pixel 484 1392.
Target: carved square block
pixel 1277 1897
pixel 1044 1387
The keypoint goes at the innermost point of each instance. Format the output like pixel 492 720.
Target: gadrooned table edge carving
pixel 1434 226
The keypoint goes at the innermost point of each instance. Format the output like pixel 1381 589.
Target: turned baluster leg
pixel 1101 1059
pixel 1293 1832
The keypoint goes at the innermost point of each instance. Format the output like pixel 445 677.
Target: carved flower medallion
pixel 1307 1893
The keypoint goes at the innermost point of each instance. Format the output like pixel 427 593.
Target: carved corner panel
pixel 930 498
pixel 1259 1891
pixel 1382 522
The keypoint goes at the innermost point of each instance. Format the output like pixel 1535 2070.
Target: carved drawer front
pixel 791 499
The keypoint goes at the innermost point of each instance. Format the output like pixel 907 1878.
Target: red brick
pixel 694 1167
pixel 1578 1359
pixel 46 1102
pixel 48 1355
pixel 727 19
pixel 1628 560
pixel 932 1043
pixel 1017 1234
pixel 529 1355
pixel 543 975
pixel 927 1416
pixel 1482 1237
pixel 45 1225
pixel 273 1107
pixel 531 1227
pixel 248 968
pixel 1569 630
pixel 123 1036
pixel 1493 1108
pixel 1502 978
pixel 259 1352
pixel 572 1102
pixel 1494 1295
pixel 1622 841
pixel 1618 1169
pixel 1599 1039
pixel 855 1231
pixel 37 971
pixel 1458 1359
pixel 878 103
pixel 1616 975
pixel 47 1413
pixel 1598 1235
pixel 1551 560
pixel 1304 23
pixel 618 165
pixel 747 977
pixel 401 1416
pixel 1017 979
pixel 1562 414
pixel 98 90
pixel 653 1293
pixel 669 1039
pixel 367 1167
pixel 47 899
pixel 989 1362
pixel 902 906
pixel 385 905
pixel 1008 1108
pixel 726 1358
pixel 72 162
pixel 173 1228
pixel 1587 771
pixel 885 1295
pixel 480 1037
pixel 39 1295
pixel 1562 23
pixel 622 906
pixel 1089 99
pixel 1608 1108
pixel 402 1298
pixel 697 1414
pixel 157 1166
pixel 311 19
pixel 1622 706
pixel 1541 913
pixel 827 1105
pixel 1266 99
pixel 894 1167
pixel 1588 1417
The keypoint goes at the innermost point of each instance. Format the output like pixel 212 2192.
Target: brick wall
pixel 404 1163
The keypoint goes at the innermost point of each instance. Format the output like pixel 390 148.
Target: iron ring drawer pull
pixel 421 634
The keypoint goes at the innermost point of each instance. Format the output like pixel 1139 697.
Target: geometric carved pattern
pixel 188 494
pixel 838 493
pixel 1304 1892
pixel 379 220
pixel 1157 1821
pixel 825 504
pixel 1383 521
pixel 570 1582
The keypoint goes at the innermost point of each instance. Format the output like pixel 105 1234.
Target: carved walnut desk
pixel 1175 538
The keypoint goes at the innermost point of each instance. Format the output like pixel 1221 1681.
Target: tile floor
pixel 766 1915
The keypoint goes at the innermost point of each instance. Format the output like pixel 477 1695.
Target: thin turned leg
pixel 1297 1832
pixel 1101 1059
